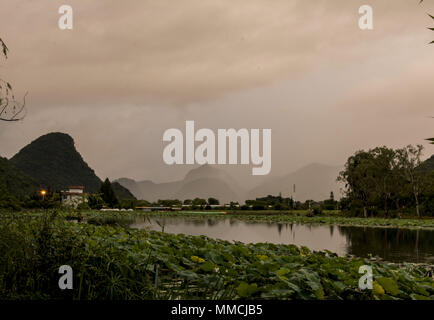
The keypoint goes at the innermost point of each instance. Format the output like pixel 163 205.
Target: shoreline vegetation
pixel 332 217
pixel 427 223
pixel 114 262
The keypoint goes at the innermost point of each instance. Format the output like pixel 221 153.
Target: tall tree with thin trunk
pixel 383 167
pixel 107 194
pixel 359 179
pixel 409 161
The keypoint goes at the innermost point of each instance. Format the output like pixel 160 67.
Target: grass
pixel 114 262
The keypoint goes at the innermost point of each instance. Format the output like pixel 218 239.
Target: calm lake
pixel 391 244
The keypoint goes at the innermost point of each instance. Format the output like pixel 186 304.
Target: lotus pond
pixel 114 262
pixel 391 244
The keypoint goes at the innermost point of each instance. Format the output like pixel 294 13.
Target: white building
pixel 73 196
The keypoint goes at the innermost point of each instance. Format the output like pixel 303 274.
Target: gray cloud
pixel 131 69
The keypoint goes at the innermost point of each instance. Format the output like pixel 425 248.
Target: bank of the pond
pixel 112 262
pixel 337 220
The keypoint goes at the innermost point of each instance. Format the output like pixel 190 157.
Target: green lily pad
pixel 389 285
pixel 246 290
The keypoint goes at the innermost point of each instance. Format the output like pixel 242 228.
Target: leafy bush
pixel 95 201
pixel 317 211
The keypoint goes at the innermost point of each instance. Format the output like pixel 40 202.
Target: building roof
pixel 76 187
pixel 81 194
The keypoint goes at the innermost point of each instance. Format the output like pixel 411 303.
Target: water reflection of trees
pixel 390 243
pixel 332 229
pixel 279 228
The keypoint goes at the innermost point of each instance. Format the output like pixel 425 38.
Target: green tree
pixel 409 162
pixel 359 179
pixel 169 202
pixel 199 202
pixel 95 201
pixel 213 201
pixel 384 165
pixel 383 176
pixel 108 194
pixel 234 205
pixel 398 187
pixel 330 203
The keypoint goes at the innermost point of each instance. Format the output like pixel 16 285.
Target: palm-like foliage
pixel 432 29
pixel 3 49
pixel 432 17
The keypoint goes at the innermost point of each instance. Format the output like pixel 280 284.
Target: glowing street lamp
pixel 43 193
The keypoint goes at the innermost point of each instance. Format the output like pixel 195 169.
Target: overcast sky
pixel 129 70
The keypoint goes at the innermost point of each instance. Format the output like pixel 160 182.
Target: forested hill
pixel 53 162
pixel 428 164
pixel 15 181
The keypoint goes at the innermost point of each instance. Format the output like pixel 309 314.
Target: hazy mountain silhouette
pixel 51 161
pixel 203 182
pixel 314 181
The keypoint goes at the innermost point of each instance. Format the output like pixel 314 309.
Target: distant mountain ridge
pixel 52 161
pixel 203 182
pixel 314 181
